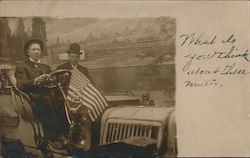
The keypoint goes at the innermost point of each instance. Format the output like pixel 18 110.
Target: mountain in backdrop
pixel 82 29
pixel 106 42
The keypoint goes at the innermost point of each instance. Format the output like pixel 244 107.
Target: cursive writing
pixel 231 39
pixel 221 57
pixel 196 40
pixel 203 71
pixel 231 54
pixel 212 82
pixel 231 69
pixel 228 69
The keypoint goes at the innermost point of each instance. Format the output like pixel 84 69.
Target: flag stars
pixel 78 80
pixel 87 95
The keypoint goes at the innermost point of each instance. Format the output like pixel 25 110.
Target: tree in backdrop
pixel 58 40
pixel 167 27
pixel 5 35
pixel 90 37
pixel 19 40
pixel 165 52
pixel 39 32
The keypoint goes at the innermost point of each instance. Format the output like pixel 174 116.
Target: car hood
pixel 139 113
pixel 120 98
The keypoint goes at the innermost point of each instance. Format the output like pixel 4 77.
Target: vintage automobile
pixel 128 128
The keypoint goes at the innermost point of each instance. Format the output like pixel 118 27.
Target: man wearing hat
pixel 74 53
pixel 29 75
pixel 72 64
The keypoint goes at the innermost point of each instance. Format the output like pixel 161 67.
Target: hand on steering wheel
pixel 42 78
pixel 55 75
pixel 60 72
pixel 51 80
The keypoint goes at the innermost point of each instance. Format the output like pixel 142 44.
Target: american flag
pixel 82 91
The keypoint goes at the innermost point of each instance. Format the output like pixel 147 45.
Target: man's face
pixel 34 51
pixel 74 58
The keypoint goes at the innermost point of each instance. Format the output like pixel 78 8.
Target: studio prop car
pixel 129 127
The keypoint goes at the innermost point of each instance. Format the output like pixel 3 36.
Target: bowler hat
pixel 74 48
pixel 32 41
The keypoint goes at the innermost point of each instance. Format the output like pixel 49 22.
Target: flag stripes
pixel 91 100
pixel 103 100
pixel 88 96
pixel 95 98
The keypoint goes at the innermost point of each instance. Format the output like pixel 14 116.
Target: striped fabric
pixel 84 93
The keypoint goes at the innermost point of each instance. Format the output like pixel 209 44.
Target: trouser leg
pixel 52 117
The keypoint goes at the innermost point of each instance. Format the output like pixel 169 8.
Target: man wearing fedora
pixel 47 108
pixel 74 53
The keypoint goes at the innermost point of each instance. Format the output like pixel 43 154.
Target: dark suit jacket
pixel 25 75
pixel 82 69
pixel 48 108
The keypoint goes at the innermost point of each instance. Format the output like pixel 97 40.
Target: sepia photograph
pixel 116 79
pixel 88 87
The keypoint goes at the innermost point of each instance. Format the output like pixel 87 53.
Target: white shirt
pixel 32 60
pixel 74 66
pixel 36 62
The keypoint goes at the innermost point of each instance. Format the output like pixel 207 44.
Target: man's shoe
pixel 79 144
pixel 63 141
pixel 60 143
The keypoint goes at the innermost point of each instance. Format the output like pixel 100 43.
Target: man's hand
pixel 42 78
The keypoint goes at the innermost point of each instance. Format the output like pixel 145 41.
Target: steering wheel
pixel 60 72
pixel 56 76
